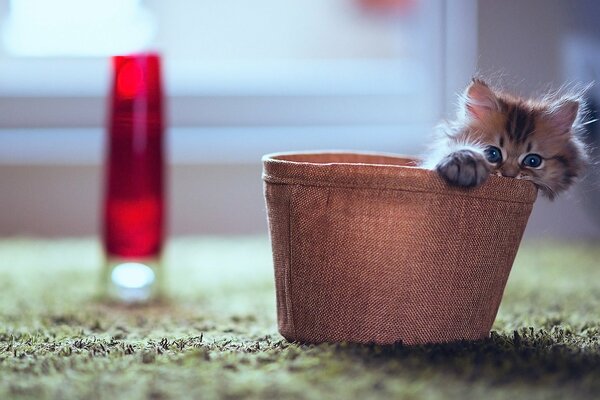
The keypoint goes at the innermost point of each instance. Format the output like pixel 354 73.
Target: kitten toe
pixel 483 171
pixel 450 172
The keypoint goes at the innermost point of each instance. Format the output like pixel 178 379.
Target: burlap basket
pixel 368 248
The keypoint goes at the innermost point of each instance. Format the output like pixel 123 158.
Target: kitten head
pixel 525 139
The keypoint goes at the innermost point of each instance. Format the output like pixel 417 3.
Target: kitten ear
pixel 563 114
pixel 479 100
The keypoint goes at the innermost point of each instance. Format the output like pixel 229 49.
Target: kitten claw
pixel 464 168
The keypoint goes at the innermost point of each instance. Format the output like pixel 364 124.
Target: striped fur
pixel 518 128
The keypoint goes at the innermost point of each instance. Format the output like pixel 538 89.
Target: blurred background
pixel 247 78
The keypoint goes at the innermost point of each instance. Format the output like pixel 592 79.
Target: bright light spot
pixel 132 276
pixel 77 27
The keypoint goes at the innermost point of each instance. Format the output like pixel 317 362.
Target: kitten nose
pixel 510 172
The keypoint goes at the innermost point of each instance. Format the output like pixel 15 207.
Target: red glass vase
pixel 134 203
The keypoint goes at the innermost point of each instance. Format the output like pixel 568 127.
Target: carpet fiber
pixel 216 337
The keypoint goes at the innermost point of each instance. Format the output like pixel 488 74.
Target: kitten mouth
pixel 520 176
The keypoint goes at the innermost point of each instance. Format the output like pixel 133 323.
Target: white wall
pixel 66 200
pixel 520 42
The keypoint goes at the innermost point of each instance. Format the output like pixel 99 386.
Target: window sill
pixel 210 145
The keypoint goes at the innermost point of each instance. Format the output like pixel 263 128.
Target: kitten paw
pixel 464 168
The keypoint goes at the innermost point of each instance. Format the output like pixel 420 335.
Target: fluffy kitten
pixel 508 136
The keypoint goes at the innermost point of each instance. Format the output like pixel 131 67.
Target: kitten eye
pixel 493 154
pixel 532 161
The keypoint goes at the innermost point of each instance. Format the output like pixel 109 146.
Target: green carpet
pixel 217 337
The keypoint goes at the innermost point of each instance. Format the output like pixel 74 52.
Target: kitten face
pixel 524 139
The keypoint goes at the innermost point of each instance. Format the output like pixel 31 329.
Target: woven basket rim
pixel 383 171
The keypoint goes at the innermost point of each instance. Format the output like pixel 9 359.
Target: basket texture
pixel 368 248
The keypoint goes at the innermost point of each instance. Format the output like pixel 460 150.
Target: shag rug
pixel 216 336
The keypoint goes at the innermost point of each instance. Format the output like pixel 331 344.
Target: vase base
pixel 132 281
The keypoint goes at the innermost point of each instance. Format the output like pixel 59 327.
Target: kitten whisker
pixel 589 122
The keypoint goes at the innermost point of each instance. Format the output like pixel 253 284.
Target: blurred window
pixel 42 28
pixel 233 62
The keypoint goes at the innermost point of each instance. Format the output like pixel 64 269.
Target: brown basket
pixel 368 248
